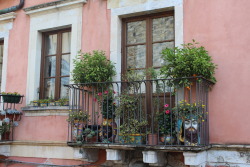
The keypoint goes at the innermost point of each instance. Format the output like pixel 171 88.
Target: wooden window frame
pixel 58 63
pixel 149 50
pixel 149 42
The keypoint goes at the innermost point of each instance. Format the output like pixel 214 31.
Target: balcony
pixel 150 114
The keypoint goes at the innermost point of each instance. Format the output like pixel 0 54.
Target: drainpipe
pixel 13 8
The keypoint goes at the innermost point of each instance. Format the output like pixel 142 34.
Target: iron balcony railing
pixel 146 113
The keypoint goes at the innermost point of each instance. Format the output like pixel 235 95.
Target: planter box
pixel 43 104
pixel 136 139
pixel 11 99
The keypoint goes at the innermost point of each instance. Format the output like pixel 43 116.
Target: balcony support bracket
pixel 115 155
pixel 154 158
pixel 90 155
pixel 195 159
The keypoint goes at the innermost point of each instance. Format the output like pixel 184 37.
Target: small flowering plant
pixel 185 110
pixel 79 116
pixel 166 121
pixel 11 93
pixel 107 103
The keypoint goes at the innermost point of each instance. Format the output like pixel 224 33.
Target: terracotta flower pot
pixel 152 139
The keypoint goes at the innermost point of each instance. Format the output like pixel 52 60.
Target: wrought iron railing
pixel 148 112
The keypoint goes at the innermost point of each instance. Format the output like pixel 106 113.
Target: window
pixel 1 61
pixel 143 40
pixel 55 67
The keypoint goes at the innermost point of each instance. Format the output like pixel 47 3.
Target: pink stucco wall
pixel 96 26
pixel 45 128
pixel 95 36
pixel 222 26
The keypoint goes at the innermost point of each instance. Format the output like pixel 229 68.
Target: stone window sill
pixel 46 111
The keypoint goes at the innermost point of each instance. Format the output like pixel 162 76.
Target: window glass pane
pixel 50 66
pixel 51 44
pixel 66 42
pixel 1 53
pixel 136 32
pixel 163 28
pixel 157 49
pixel 64 90
pixel 136 56
pixel 1 63
pixel 137 87
pixel 65 63
pixel 49 88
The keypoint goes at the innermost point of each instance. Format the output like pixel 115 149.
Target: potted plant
pixel 13 114
pixel 92 67
pixel 51 102
pixel 133 123
pixel 131 131
pixel 5 129
pixel 10 97
pixel 107 105
pixel 35 103
pixel 190 60
pixel 189 117
pixel 78 117
pixel 166 124
pixel 64 101
pixel 44 102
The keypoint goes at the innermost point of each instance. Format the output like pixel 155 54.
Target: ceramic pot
pixel 167 139
pixel 108 131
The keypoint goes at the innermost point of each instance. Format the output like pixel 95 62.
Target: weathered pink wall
pixel 45 128
pixel 95 35
pixel 18 47
pixel 222 26
pixel 96 26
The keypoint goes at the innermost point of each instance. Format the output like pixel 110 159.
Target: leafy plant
pixel 79 116
pixel 128 106
pixel 187 61
pixel 107 103
pixel 44 100
pixel 185 110
pixel 6 125
pixel 132 126
pixel 11 93
pixel 63 101
pixel 92 67
pixel 166 121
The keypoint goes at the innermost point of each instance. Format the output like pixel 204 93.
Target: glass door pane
pixel 51 44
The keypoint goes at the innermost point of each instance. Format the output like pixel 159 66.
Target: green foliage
pixel 92 67
pixel 11 93
pixel 44 101
pixel 132 75
pixel 79 116
pixel 185 110
pixel 63 101
pixel 166 121
pixel 129 111
pixel 107 103
pixel 4 128
pixel 132 126
pixel 187 61
pixel 128 105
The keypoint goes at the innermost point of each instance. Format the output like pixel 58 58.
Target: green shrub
pixel 93 67
pixel 187 61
